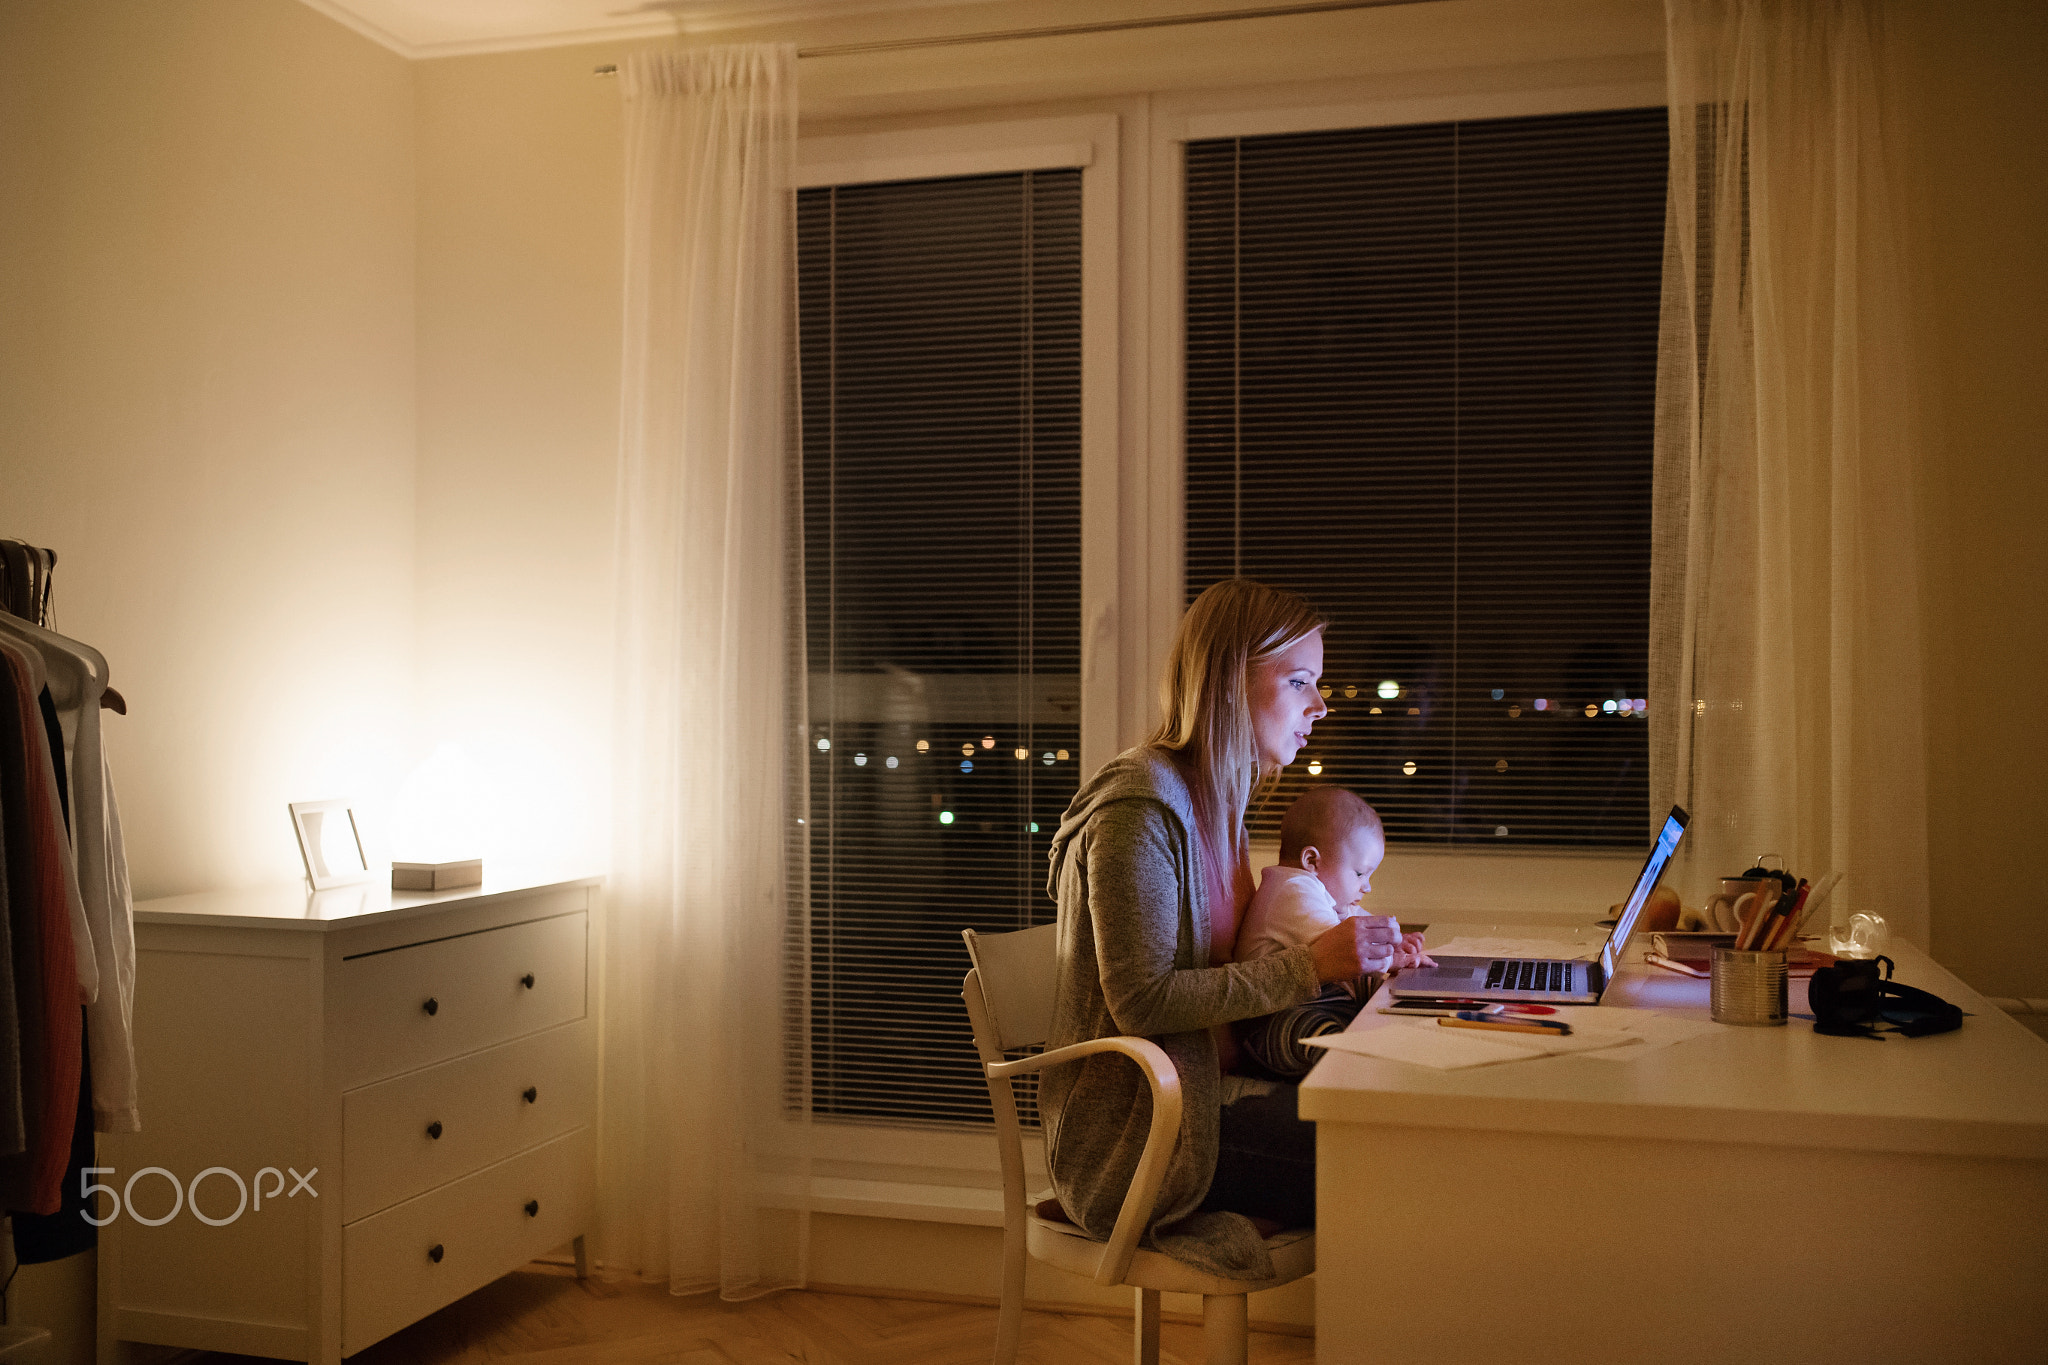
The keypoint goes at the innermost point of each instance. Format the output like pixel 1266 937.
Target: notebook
pixel 1551 981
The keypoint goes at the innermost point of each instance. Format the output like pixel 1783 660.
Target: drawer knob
pixel 432 1006
pixel 434 1130
pixel 533 1208
pixel 434 1253
pixel 527 981
pixel 532 1093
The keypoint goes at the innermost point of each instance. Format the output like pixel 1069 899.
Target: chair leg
pixel 1145 1329
pixel 1226 1328
pixel 1010 1317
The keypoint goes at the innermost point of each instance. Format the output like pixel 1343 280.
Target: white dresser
pixel 396 1090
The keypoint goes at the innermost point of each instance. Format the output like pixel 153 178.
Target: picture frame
pixel 330 843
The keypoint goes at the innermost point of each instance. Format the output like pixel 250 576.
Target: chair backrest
pixel 1017 971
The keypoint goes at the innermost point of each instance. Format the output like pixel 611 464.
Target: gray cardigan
pixel 1134 959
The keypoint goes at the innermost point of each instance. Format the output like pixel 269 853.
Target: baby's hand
pixel 1409 953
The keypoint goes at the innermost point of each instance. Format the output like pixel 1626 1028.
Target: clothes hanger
pixel 16 578
pixel 36 578
pixel 38 639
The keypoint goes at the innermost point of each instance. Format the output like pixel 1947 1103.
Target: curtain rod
pixel 1068 30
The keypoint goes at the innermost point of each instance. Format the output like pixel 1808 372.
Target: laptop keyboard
pixel 1522 974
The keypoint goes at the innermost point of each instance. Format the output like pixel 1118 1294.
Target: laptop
pixel 1537 979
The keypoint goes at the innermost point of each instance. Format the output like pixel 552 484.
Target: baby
pixel 1331 842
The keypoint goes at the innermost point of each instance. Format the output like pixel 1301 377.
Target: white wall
pixel 1972 110
pixel 520 240
pixel 206 401
pixel 206 408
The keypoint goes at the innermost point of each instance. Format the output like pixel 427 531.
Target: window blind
pixel 1421 365
pixel 939 345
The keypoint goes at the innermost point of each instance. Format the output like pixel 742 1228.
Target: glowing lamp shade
pixel 443 810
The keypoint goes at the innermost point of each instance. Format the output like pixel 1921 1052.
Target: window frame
pixel 1133 486
pixel 1090 143
pixel 1541 884
pixel 938 1173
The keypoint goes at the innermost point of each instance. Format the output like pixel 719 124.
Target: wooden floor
pixel 545 1316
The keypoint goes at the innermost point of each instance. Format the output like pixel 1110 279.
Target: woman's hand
pixel 1360 944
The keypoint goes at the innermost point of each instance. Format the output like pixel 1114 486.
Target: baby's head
pixel 1336 835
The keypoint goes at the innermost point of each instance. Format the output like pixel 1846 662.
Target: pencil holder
pixel 1748 987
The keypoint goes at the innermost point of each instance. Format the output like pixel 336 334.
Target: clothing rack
pixel 67 1058
pixel 26 572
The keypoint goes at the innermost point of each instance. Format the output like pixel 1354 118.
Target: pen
pixel 1429 1007
pixel 1542 1030
pixel 1788 922
pixel 1557 1025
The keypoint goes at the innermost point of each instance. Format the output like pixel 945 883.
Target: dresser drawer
pixel 404 1136
pixel 411 1007
pixel 481 1227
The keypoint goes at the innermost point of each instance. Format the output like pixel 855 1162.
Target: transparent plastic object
pixel 1862 935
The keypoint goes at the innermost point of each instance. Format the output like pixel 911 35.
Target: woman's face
pixel 1284 700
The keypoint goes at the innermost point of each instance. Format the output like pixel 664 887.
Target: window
pixel 1420 369
pixel 940 353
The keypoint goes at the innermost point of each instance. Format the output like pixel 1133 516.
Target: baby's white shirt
pixel 1291 907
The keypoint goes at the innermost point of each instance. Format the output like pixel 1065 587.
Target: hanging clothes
pixel 40 1237
pixel 104 935
pixel 43 907
pixel 67 950
pixel 13 1134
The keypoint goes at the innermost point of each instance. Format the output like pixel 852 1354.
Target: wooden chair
pixel 1009 1001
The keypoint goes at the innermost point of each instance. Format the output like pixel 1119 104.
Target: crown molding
pixel 660 26
pixel 348 19
pixel 656 21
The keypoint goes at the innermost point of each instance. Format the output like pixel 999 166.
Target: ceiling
pixel 447 28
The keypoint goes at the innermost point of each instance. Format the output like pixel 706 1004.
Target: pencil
pixel 1788 924
pixel 1537 1029
pixel 1674 965
pixel 1766 900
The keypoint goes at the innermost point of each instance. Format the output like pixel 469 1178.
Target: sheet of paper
pixel 1654 1031
pixel 1446 1049
pixel 1559 949
pixel 1428 1043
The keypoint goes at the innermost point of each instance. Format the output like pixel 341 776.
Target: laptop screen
pixel 1653 868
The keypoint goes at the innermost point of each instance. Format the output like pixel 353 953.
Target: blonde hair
pixel 1205 694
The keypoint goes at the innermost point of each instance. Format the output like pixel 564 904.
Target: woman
pixel 1151 871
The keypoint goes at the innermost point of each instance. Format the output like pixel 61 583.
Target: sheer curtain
pixel 704 1157
pixel 1785 645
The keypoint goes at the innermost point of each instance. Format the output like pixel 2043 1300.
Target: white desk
pixel 1863 1200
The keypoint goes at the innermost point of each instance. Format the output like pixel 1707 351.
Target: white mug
pixel 1725 909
